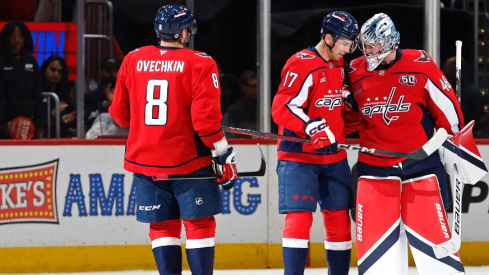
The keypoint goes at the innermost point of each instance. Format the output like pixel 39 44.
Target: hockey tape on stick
pixel 458 70
pixel 427 149
pixel 261 172
pixel 452 246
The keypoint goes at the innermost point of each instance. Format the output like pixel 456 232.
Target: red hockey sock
pixel 297 225
pixel 170 228
pixel 201 228
pixel 338 225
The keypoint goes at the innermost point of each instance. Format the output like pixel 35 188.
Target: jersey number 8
pixel 158 104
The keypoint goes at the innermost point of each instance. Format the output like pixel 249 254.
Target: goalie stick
pixel 427 149
pixel 453 245
pixel 259 173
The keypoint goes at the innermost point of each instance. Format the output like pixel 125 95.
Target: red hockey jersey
pixel 402 103
pixel 311 87
pixel 170 100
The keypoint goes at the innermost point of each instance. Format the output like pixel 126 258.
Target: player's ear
pixel 184 36
pixel 328 39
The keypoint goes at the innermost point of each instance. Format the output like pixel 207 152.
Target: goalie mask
pixel 171 20
pixel 377 39
pixel 340 24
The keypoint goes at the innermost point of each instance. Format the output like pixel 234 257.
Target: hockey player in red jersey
pixel 169 97
pixel 402 97
pixel 308 104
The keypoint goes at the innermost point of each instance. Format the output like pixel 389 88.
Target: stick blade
pixel 438 139
pixel 447 248
pixel 261 171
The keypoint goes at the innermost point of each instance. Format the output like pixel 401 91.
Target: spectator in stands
pixel 54 73
pixel 20 83
pixel 95 100
pixel 472 103
pixel 104 124
pixel 230 90
pixel 244 113
pixel 54 10
pixel 48 11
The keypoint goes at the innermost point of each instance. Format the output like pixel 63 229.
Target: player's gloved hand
pixel 348 99
pixel 225 165
pixel 454 164
pixel 323 140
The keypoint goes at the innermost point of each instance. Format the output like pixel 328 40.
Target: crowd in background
pixel 28 107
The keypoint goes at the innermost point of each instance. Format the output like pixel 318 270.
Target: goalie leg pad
pixel 165 239
pixel 378 225
pixel 200 244
pixel 338 241
pixel 426 224
pixel 295 241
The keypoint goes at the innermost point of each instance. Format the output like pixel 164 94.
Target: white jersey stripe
pixel 295 104
pixel 445 104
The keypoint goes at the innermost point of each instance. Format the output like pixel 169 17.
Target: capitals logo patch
pixel 424 58
pixel 203 55
pixel 305 55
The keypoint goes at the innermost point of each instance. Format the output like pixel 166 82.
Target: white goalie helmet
pixel 378 37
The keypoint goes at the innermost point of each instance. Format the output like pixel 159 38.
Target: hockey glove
pixel 350 102
pixel 225 165
pixel 460 152
pixel 323 140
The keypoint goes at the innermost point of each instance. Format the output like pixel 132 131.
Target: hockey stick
pixel 427 149
pixel 453 245
pixel 259 173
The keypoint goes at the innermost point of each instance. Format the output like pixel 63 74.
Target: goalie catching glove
pixel 323 140
pixel 225 165
pixel 460 152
